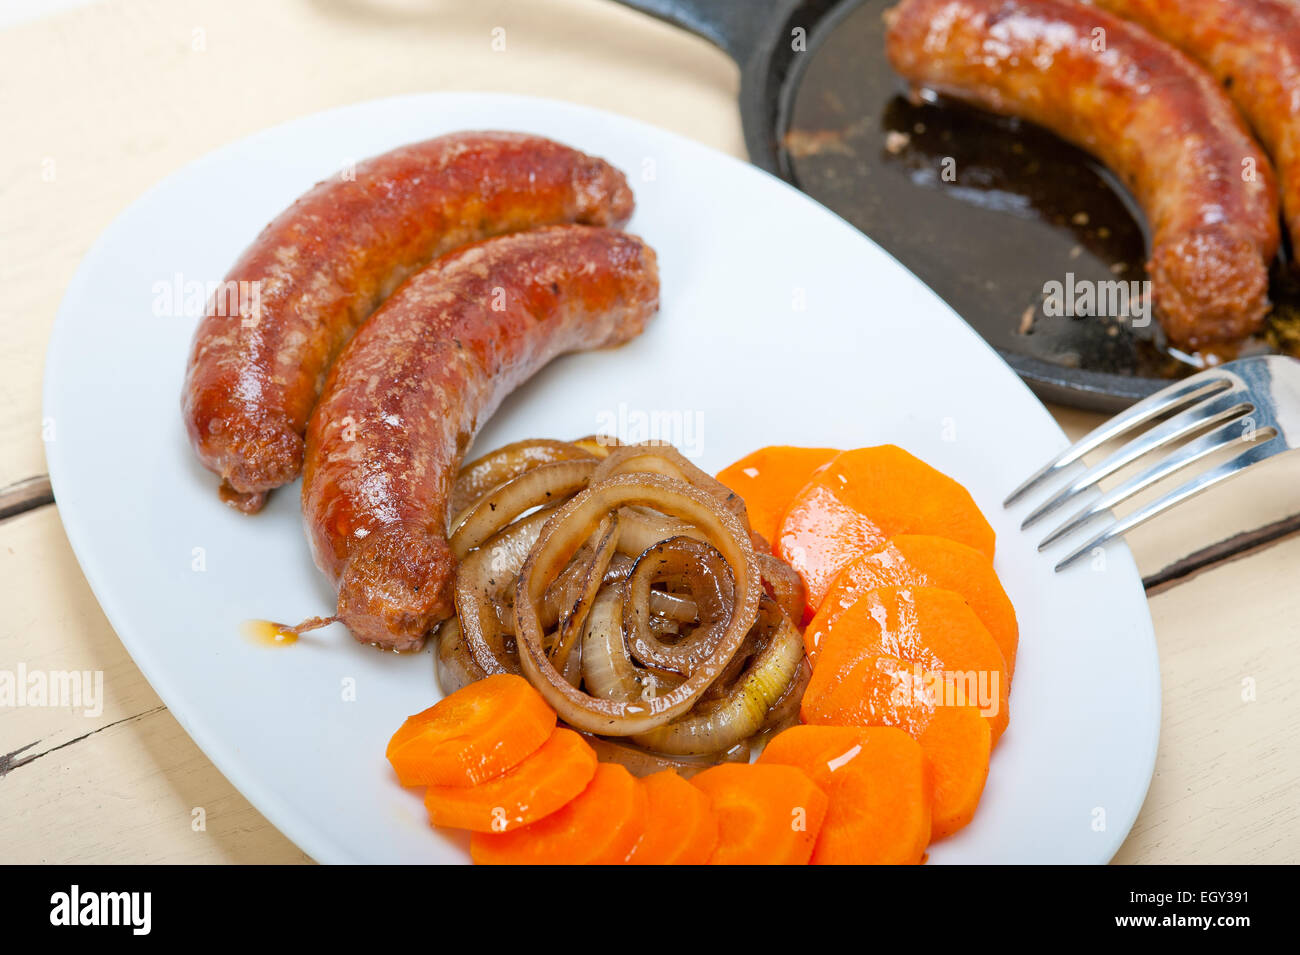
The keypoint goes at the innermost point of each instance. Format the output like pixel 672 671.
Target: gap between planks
pixel 35 492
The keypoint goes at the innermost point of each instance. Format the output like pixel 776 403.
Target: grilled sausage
pixel 1144 109
pixel 1253 49
pixel 407 395
pixel 325 264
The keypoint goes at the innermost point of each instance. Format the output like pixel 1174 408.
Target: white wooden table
pixel 99 102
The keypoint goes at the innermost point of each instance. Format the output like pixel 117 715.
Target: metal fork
pixel 1253 402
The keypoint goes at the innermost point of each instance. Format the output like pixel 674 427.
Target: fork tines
pixel 1239 402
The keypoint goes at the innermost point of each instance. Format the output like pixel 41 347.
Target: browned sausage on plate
pixel 1253 49
pixel 320 269
pixel 1156 118
pixel 407 395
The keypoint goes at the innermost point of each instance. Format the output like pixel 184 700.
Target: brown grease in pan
pixel 984 210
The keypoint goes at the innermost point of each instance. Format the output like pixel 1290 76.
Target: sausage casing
pixel 322 266
pixel 1253 49
pixel 1156 118
pixel 407 395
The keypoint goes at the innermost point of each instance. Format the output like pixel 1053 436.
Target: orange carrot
pixel 894 492
pixel 879 786
pixel 537 787
pixel 479 732
pixel 601 826
pixel 681 828
pixel 819 536
pixel 926 561
pixel 767 814
pixel 957 743
pixel 769 479
pixel 947 657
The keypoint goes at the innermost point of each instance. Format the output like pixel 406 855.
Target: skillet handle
pixel 734 25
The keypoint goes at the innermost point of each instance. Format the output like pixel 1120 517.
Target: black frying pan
pixel 829 115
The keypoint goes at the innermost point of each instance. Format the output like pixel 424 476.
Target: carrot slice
pixel 879 786
pixel 925 560
pixel 947 657
pixel 479 732
pixel 894 491
pixel 681 828
pixel 819 536
pixel 956 740
pixel 957 743
pixel 769 479
pixel 767 814
pixel 601 826
pixel 540 785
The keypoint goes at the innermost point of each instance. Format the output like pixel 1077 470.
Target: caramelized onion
pixel 456 666
pixel 607 669
pixel 659 458
pixel 640 763
pixel 707 577
pixel 566 531
pixel 574 617
pixel 599 445
pixel 742 708
pixel 483 474
pixel 784 584
pixel 483 580
pixel 537 487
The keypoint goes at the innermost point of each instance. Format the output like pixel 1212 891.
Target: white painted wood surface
pixel 102 101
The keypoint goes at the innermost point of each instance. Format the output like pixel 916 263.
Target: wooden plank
pixel 120 785
pixel 138 791
pixel 122 93
pixel 1228 766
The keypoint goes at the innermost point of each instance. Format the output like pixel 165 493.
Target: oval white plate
pixel 780 324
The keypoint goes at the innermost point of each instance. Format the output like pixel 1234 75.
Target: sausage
pixel 404 400
pixel 1145 110
pixel 1253 49
pixel 317 272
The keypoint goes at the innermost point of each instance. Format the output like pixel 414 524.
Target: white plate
pixel 780 324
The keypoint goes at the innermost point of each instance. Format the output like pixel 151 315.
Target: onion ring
pixel 573 619
pixel 710 583
pixel 565 531
pixel 663 458
pixel 640 763
pixel 536 487
pixel 495 468
pixel 482 579
pixel 607 669
pixel 455 665
pixel 741 711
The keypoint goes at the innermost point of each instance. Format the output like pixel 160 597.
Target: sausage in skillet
pixel 1152 115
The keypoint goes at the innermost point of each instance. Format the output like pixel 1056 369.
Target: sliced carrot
pixel 537 787
pixel 860 679
pixel 681 828
pixel 957 743
pixel 879 786
pixel 479 732
pixel 767 814
pixel 820 535
pixel 948 658
pixel 927 561
pixel 601 826
pixel 894 491
pixel 769 479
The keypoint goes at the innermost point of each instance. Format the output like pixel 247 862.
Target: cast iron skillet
pixel 984 210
